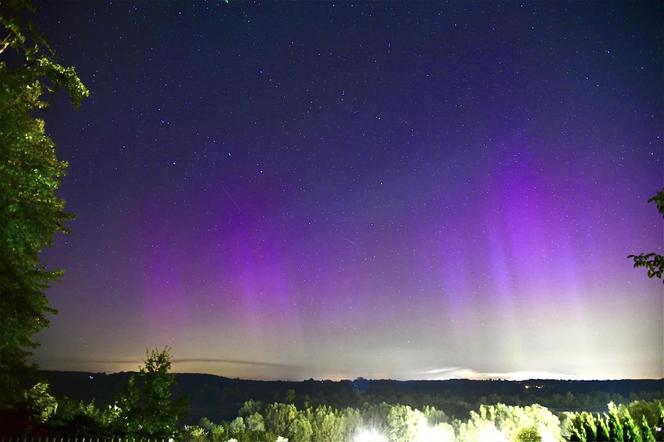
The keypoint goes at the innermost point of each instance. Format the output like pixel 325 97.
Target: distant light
pixel 438 433
pixel 368 435
pixel 491 434
pixel 91 377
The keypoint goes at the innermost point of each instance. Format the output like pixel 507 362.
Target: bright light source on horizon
pixel 369 435
pixel 435 434
pixel 491 434
pixel 547 436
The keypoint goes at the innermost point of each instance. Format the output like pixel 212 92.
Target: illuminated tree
pixel 40 402
pixel 255 423
pixel 653 262
pixel 632 431
pixel 433 415
pixel 217 433
pixel 30 174
pixel 300 429
pixel 237 426
pixel 194 433
pixel 530 434
pixel 616 432
pixel 646 431
pixel 278 418
pixel 250 407
pixel 327 424
pixel 404 423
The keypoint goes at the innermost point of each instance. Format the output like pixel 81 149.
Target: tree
pixel 278 418
pixel 151 410
pixel 404 424
pixel 40 402
pixel 300 429
pixel 653 262
pixel 30 174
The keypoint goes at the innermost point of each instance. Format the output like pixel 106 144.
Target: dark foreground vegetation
pixel 219 398
pixel 637 421
pixel 151 404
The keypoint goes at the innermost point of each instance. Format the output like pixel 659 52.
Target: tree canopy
pixel 30 173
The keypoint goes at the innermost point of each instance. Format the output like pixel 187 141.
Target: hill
pixel 219 398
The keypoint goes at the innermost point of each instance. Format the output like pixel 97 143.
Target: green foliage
pixel 652 262
pixel 215 432
pixel 299 429
pixel 616 432
pixel 327 424
pixel 603 431
pixel 82 419
pixel 433 415
pixel 632 430
pixel 148 411
pixel 255 423
pixel 658 199
pixel 637 421
pixel 237 426
pixel 647 431
pixel 504 422
pixel 644 409
pixel 250 407
pixel 580 427
pixel 194 433
pixel 529 434
pixel 30 174
pixel 399 423
pixel 279 417
pixel 405 424
pixel 40 402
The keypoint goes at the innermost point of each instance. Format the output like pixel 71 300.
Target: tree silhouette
pixel 653 262
pixel 30 174
pixel 151 410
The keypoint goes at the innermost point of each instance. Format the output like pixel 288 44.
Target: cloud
pixel 295 372
pixel 175 361
pixel 233 361
pixel 444 373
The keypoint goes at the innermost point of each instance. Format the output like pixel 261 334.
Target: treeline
pixel 219 398
pixel 639 421
pixel 146 408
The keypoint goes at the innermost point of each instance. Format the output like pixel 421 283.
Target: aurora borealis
pixel 386 190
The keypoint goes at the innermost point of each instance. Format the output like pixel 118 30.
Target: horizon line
pixel 362 378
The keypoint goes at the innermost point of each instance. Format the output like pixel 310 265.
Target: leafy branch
pixel 653 262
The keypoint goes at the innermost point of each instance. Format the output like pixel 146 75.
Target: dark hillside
pixel 219 398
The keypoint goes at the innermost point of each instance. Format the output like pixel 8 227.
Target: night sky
pixel 403 190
